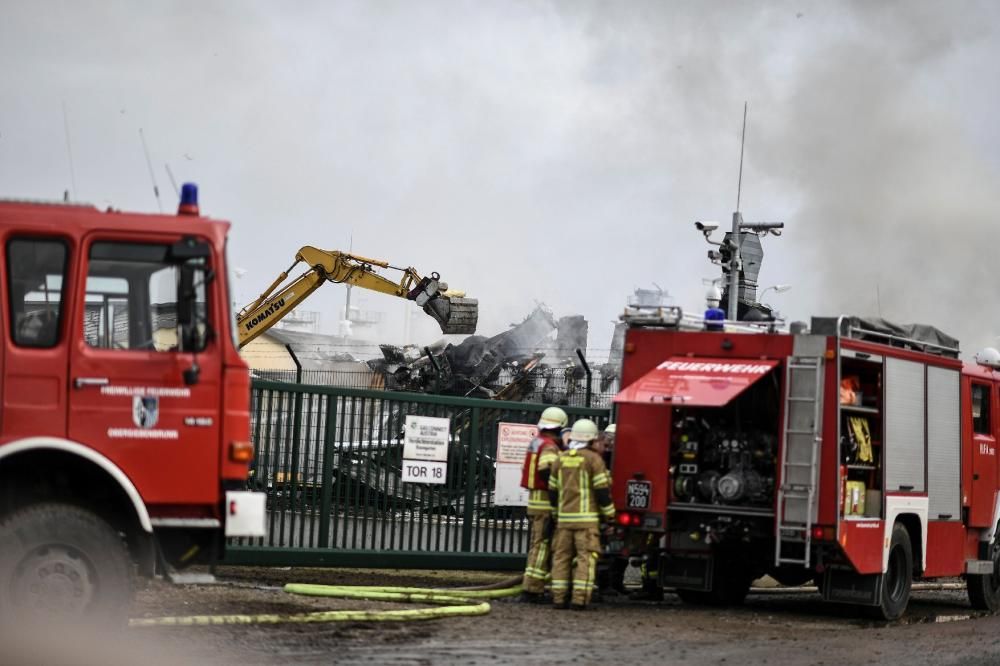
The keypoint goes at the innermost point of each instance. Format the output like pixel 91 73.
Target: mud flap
pixel 847 587
pixel 454 315
pixel 688 573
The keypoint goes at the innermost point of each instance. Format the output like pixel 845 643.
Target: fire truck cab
pixel 124 405
pixel 856 453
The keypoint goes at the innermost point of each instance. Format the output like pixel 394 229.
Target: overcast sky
pixel 539 151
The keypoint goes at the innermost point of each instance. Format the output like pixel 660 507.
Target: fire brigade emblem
pixel 145 411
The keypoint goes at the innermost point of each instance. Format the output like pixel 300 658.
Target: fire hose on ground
pixel 448 602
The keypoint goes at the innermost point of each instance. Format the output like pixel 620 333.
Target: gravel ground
pixel 772 628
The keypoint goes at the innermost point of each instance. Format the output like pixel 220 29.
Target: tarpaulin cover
pixel 916 336
pixel 683 381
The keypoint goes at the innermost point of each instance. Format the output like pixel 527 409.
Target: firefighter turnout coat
pixel 543 451
pixel 579 492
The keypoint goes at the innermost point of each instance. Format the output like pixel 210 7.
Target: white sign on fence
pixel 424 471
pixel 512 443
pixel 425 449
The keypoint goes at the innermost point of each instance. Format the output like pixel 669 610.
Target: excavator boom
pixel 453 312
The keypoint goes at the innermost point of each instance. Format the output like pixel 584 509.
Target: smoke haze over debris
pixel 557 151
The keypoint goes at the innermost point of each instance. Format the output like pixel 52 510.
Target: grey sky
pixel 557 151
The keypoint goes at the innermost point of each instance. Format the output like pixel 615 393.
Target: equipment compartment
pixel 860 440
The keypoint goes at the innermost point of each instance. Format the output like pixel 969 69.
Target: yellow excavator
pixel 452 311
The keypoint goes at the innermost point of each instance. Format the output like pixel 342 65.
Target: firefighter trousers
pixel 583 543
pixel 539 560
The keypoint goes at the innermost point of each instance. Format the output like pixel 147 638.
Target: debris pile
pixel 506 366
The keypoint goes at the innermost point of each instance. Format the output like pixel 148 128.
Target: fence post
pixel 298 366
pixel 475 442
pixel 586 369
pixel 329 433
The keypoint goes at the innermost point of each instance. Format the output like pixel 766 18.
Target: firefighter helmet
pixel 989 357
pixel 610 430
pixel 552 418
pixel 584 430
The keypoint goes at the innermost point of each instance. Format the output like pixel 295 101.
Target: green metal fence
pixel 330 461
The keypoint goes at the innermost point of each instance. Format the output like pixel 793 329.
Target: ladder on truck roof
pixel 799 460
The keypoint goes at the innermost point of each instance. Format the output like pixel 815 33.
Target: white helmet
pixel 989 357
pixel 584 430
pixel 552 418
pixel 610 429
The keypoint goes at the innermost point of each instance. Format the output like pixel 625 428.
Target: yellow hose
pixel 450 603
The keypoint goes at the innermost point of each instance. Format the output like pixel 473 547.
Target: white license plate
pixel 637 494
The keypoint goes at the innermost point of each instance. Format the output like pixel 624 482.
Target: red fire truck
pixel 124 405
pixel 855 453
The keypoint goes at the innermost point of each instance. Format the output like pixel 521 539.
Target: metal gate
pixel 330 461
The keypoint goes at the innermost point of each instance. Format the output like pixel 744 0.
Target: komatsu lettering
pixel 274 307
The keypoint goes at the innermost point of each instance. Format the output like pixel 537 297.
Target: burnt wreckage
pixel 506 366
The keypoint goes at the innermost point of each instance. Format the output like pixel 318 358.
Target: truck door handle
pixel 81 382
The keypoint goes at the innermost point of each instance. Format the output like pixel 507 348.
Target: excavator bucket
pixel 454 315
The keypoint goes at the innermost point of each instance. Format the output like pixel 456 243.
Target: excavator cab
pixel 455 314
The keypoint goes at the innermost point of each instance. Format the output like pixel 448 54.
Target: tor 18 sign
pixel 424 471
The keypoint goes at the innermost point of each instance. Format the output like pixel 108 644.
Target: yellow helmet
pixel 584 430
pixel 610 430
pixel 552 417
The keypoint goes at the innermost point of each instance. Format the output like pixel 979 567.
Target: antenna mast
pixel 69 150
pixel 152 176
pixel 743 140
pixel 734 269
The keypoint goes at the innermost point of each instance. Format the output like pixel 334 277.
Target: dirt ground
pixel 772 628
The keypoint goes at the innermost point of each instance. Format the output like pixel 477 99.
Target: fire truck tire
pixel 63 560
pixel 984 590
pixel 898 578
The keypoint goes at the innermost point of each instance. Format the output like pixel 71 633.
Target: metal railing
pixel 330 461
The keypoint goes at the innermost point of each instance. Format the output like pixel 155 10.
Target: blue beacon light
pixel 189 200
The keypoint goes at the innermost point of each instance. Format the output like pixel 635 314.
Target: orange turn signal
pixel 241 452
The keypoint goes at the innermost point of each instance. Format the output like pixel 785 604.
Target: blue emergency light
pixel 189 200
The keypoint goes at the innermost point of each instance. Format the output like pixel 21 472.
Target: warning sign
pixel 512 443
pixel 513 440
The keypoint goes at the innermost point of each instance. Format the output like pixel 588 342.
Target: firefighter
pixel 579 493
pixel 609 443
pixel 650 570
pixel 542 452
pixel 611 570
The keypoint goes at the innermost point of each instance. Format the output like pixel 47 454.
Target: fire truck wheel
pixel 63 561
pixel 898 578
pixel 984 590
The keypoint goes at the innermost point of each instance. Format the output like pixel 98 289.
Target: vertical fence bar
pixel 327 485
pixel 470 479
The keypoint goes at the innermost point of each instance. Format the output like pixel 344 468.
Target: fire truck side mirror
pixel 187 298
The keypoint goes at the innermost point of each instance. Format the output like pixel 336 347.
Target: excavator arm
pixel 453 312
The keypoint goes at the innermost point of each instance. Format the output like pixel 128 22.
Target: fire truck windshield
pixel 132 298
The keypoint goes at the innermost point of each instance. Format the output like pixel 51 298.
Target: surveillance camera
pixel 706 227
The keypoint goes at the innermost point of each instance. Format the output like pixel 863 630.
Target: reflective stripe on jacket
pixel 578 476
